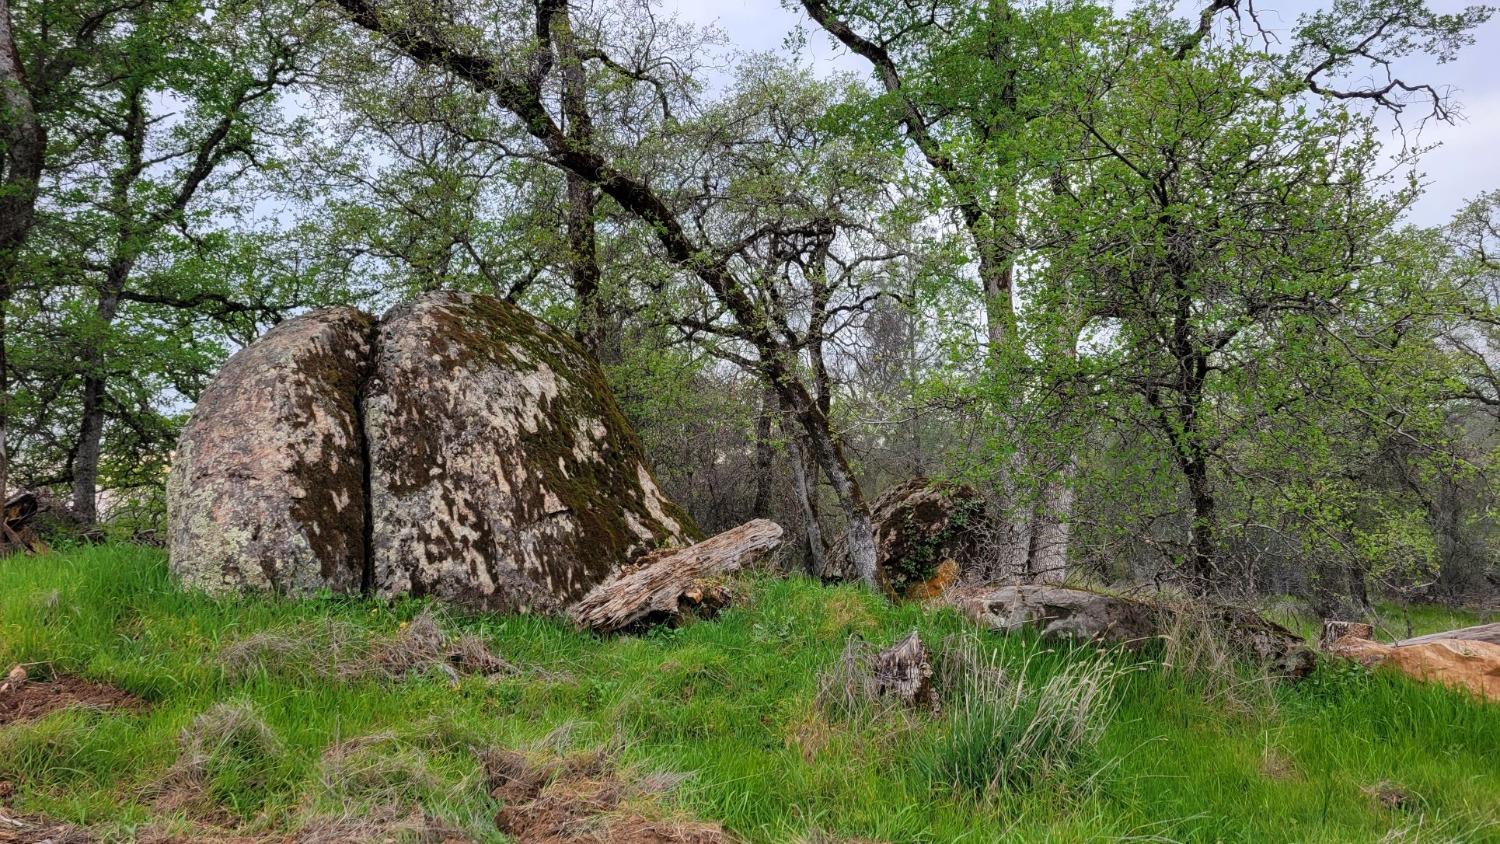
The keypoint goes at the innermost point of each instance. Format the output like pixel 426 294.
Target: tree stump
pixel 15 525
pixel 1336 630
pixel 903 672
pixel 665 585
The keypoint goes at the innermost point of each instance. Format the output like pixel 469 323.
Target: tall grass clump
pixel 1010 730
pixel 1197 657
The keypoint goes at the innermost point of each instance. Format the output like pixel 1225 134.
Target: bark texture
pixel 666 585
pixel 904 672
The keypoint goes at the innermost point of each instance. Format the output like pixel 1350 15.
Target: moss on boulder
pixel 457 448
pixel 503 476
pixel 266 492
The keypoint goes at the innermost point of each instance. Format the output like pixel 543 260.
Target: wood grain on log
pixel 665 584
pixel 1479 633
pixel 903 672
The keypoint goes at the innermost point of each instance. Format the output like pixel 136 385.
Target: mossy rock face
pixel 502 474
pixel 457 448
pixel 266 492
pixel 926 534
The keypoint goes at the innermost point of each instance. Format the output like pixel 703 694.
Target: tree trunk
pixel 1050 528
pixel 86 457
pixel 583 197
pixel 91 424
pixel 23 147
pixel 1202 550
pixel 4 395
pixel 765 455
pixel 829 455
pixel 812 531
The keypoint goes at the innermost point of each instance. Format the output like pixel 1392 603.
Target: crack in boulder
pixel 456 447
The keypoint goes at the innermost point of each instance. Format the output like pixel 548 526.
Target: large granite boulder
pixel 266 492
pixel 502 474
pixel 1462 663
pixel 457 448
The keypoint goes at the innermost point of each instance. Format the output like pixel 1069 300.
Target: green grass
pixel 733 700
pixel 1392 621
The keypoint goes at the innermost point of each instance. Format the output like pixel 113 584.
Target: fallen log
pixel 666 584
pixel 1478 633
pixel 1060 612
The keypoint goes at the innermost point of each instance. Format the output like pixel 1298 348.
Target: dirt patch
pixel 31 831
pixel 377 828
pixel 23 699
pixel 581 799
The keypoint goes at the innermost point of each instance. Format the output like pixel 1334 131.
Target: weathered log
pixel 666 584
pixel 904 672
pixel 1079 614
pixel 1479 633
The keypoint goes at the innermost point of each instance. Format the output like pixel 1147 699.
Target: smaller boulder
pixel 1061 612
pixel 927 536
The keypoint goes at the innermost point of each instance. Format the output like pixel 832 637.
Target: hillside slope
pixel 339 719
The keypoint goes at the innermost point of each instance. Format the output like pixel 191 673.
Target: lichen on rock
pixel 266 491
pixel 502 474
pixel 457 448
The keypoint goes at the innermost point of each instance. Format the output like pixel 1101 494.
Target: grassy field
pixel 265 717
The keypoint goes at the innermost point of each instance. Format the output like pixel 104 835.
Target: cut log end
pixel 666 585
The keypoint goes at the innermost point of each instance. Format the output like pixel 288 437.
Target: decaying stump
pixel 665 584
pixel 1336 630
pixel 927 533
pixel 903 672
pixel 16 533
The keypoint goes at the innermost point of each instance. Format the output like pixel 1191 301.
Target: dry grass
pixel 224 734
pixel 331 650
pixel 1198 653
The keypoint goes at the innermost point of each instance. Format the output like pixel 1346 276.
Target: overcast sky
pixel 1466 163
